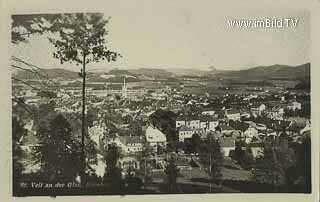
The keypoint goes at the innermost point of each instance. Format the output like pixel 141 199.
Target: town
pixel 158 104
pixel 153 121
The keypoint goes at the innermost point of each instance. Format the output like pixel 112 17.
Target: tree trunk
pixel 83 158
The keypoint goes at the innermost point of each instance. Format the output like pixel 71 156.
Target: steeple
pixel 124 88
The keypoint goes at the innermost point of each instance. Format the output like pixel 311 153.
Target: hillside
pixel 187 72
pixel 120 72
pixel 149 72
pixel 260 73
pixel 47 73
pixel 270 72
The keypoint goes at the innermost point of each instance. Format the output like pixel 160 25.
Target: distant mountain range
pixel 195 72
pixel 153 73
pixel 284 72
pixel 270 72
pixel 55 73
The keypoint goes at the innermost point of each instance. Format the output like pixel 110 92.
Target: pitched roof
pixel 204 118
pixel 185 128
pixel 155 135
pixel 208 109
pixel 232 111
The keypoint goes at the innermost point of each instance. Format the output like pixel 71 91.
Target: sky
pixel 173 34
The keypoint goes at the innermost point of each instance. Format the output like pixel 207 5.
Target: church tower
pixel 124 88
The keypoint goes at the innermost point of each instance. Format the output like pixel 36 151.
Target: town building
pixel 257 108
pixel 184 133
pixel 208 122
pixel 155 138
pixel 132 144
pixel 233 114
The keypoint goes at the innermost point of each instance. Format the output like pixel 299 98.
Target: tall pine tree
pixel 58 150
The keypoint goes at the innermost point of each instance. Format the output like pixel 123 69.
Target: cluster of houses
pixel 232 124
pixel 227 125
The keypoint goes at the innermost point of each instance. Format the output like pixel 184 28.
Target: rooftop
pixel 232 111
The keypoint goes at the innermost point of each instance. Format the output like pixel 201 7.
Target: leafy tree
pixel 58 150
pixel 171 172
pixel 165 121
pixel 186 145
pixel 22 110
pixel 243 157
pixel 196 141
pixel 113 173
pixel 271 167
pixel 191 145
pixel 132 183
pixel 82 41
pixel 212 158
pixel 145 169
pixel 303 85
pixel 18 131
pixel 25 25
pixel 91 116
pixel 135 128
pixel 46 110
pixel 305 110
pixel 299 174
pixel 160 149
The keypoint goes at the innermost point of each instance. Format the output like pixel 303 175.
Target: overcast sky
pixel 173 34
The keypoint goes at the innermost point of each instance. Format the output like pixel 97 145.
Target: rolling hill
pixel 260 73
pixel 47 73
pixel 152 72
pixel 284 72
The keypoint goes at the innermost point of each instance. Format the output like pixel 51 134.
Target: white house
pixel 251 132
pixel 132 144
pixel 193 122
pixel 275 113
pixel 155 137
pixel 213 123
pixel 180 121
pixel 128 162
pixel 233 114
pixel 208 122
pixel 257 109
pixel 96 133
pixel 185 132
pixel 294 106
pixel 99 168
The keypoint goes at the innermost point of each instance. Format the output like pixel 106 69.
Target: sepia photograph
pixel 157 98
